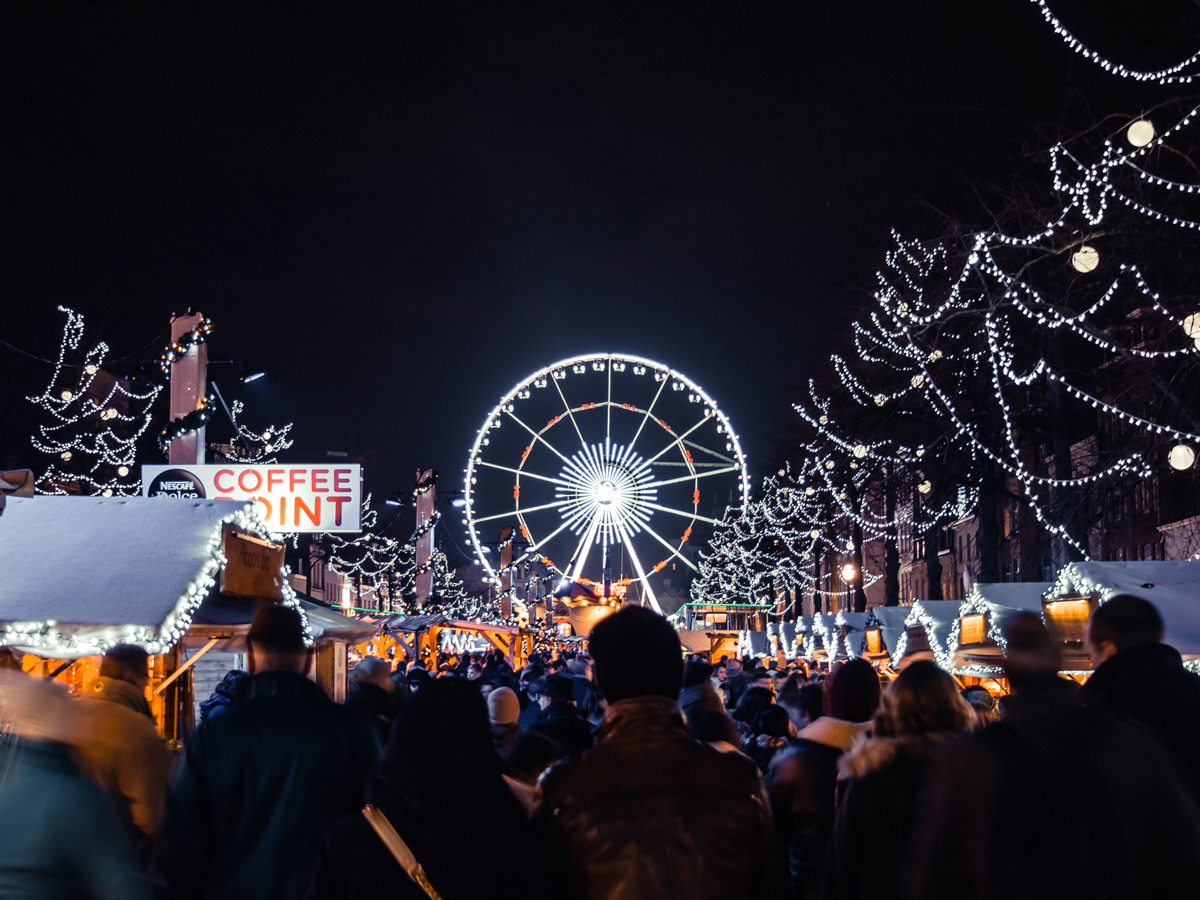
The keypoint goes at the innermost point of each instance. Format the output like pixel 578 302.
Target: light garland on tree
pixel 96 425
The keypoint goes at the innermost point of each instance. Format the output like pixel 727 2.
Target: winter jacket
pixel 882 781
pixel 59 836
pixel 257 788
pixel 802 781
pixel 651 813
pixel 1055 801
pixel 228 692
pixel 700 698
pixel 119 747
pixel 1150 686
pixel 562 724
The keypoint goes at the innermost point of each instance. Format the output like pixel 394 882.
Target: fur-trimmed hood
pixel 872 754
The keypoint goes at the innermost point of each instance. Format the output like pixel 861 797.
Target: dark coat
pixel 880 799
pixel 802 781
pixel 651 813
pixel 701 697
pixel 378 705
pixel 1150 686
pixel 441 788
pixel 257 788
pixel 59 836
pixel 1054 802
pixel 562 724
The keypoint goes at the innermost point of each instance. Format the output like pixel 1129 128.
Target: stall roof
pixel 937 618
pixel 411 624
pixel 82 574
pixel 854 634
pixel 1173 586
pixel 1002 602
pixel 890 622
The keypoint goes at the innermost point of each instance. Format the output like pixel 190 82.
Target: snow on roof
pixel 854 635
pixel 1173 586
pixel 1025 595
pixel 82 574
pixel 890 622
pixel 937 618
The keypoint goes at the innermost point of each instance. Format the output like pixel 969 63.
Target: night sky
pixel 399 213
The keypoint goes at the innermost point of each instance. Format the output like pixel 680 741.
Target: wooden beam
pixel 191 660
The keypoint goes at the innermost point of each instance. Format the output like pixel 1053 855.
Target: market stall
pixel 976 646
pixel 882 636
pixel 926 634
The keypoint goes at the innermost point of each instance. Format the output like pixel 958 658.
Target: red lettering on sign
pixel 251 473
pixel 341 479
pixel 274 480
pixel 293 474
pixel 314 515
pixel 217 480
pixel 337 508
pixel 320 477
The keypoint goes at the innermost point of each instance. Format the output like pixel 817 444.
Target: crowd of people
pixel 626 772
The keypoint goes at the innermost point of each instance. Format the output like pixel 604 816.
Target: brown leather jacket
pixel 651 813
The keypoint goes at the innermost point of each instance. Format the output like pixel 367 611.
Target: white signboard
pixel 290 498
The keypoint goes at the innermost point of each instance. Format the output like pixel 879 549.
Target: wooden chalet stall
pixel 422 637
pixel 975 651
pixel 723 624
pixel 83 574
pixel 1173 586
pixel 926 634
pixel 883 631
pixel 852 631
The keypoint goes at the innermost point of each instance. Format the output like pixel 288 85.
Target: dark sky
pixel 400 212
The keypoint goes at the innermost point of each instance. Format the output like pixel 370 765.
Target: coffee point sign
pixel 290 498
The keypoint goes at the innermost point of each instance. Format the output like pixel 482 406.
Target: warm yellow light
pixel 917 381
pixel 1181 457
pixel 925 486
pixel 90 369
pixel 1085 259
pixel 814 534
pixel 67 395
pixel 122 471
pixel 1140 133
pixel 849 572
pixel 860 451
pixel 65 455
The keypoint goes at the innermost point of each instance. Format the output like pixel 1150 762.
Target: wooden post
pixel 189 376
pixel 331 669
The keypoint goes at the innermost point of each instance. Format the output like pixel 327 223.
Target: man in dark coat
pixel 1079 803
pixel 1138 677
pixel 698 695
pixel 259 785
pixel 558 719
pixel 649 812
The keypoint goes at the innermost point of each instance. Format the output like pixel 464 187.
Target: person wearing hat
pixel 258 785
pixel 558 719
pixel 650 812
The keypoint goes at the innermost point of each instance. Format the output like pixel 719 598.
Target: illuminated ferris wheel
pixel 605 466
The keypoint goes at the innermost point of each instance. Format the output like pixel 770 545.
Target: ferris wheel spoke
pixel 679 512
pixel 536 436
pixel 575 566
pixel 525 473
pixel 554 505
pixel 645 419
pixel 674 550
pixel 637 567
pixel 608 407
pixel 678 441
pixel 722 471
pixel 535 546
pixel 570 415
pixel 711 452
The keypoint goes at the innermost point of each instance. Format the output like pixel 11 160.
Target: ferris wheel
pixel 605 466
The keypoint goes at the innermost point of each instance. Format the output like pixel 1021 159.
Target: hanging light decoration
pixel 1140 133
pixel 1181 457
pixel 1085 259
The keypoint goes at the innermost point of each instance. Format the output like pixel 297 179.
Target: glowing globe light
pixel 925 486
pixel 1140 133
pixel 605 493
pixel 1085 259
pixel 123 471
pixel 1181 457
pixel 849 572
pixel 67 395
pixel 860 451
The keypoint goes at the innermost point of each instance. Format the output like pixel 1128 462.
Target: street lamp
pixel 849 573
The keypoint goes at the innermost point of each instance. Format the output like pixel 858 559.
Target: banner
pixel 290 498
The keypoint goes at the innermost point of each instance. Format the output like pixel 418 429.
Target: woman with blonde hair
pixel 882 777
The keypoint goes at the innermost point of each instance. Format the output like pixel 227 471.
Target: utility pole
pixel 424 545
pixel 189 375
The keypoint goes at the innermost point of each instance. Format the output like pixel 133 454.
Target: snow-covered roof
pixel 1001 602
pixel 1025 595
pixel 937 618
pixel 853 625
pixel 82 574
pixel 890 622
pixel 786 633
pixel 1173 586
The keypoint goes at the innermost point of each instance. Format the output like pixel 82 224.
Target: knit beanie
pixel 503 706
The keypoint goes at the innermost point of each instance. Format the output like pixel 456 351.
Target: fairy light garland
pixel 179 349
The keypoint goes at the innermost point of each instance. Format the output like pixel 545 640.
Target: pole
pixel 189 374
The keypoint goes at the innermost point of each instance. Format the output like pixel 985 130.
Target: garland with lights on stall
pixel 96 422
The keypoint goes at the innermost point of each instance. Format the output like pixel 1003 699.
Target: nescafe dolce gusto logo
pixel 176 483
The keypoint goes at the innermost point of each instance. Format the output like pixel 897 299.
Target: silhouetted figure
pixel 258 785
pixel 1138 677
pixel 649 812
pixel 1054 801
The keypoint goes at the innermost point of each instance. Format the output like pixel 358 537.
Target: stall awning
pixel 410 624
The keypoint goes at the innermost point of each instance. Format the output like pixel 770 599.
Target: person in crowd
pixel 59 835
pixel 1079 803
pixel 754 701
pixel 1137 676
pixel 772 729
pixel 883 776
pixel 118 744
pixel 983 705
pixel 736 683
pixel 503 710
pixel 258 786
pixel 802 779
pixel 698 693
pixel 531 673
pixel 804 702
pixel 474 671
pixel 715 729
pixel 532 754
pixel 373 693
pixel 558 719
pixel 227 692
pixel 438 762
pixel 417 679
pixel 650 812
